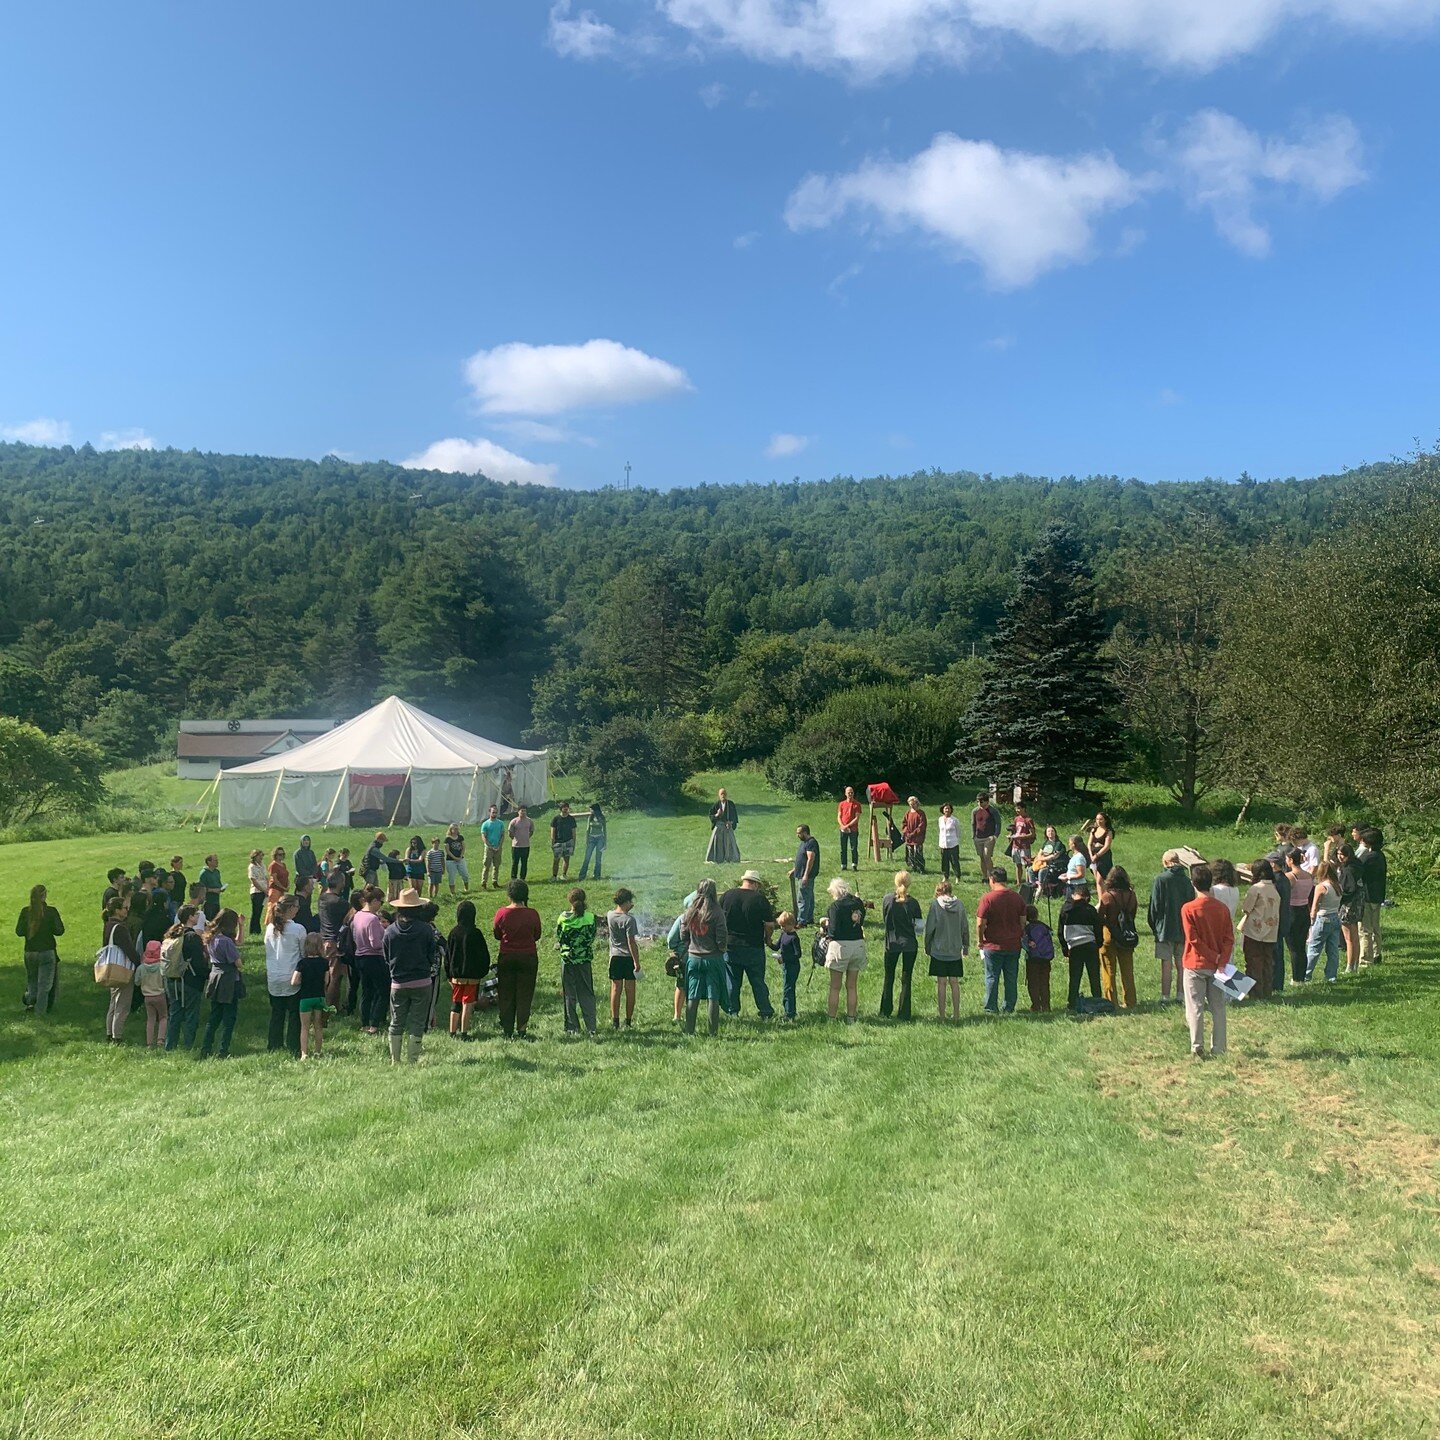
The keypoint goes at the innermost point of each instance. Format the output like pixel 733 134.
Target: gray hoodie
pixel 947 929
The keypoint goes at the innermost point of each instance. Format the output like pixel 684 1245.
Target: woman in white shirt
pixel 258 886
pixel 284 943
pixel 949 828
pixel 1226 889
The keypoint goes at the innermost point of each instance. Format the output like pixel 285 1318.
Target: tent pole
pixel 279 781
pixel 339 789
pixel 203 803
pixel 395 815
pixel 470 798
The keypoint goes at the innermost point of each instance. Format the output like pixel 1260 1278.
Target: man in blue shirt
pixel 492 832
pixel 803 872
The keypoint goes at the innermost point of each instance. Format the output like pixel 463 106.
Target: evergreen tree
pixel 1045 714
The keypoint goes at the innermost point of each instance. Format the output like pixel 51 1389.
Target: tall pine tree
pixel 1045 714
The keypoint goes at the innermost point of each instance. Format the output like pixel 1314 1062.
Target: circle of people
pixel 374 951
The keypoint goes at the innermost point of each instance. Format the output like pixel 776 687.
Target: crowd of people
pixel 341 941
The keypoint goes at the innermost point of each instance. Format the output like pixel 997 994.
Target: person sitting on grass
pixel 624 937
pixel 575 933
pixel 947 942
pixel 311 972
pixel 467 963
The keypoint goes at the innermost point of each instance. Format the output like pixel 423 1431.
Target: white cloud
pixel 745 241
pixel 520 379
pixel 133 439
pixel 1014 214
pixel 712 95
pixel 783 444
pixel 866 39
pixel 482 457
pixel 1000 343
pixel 1168 397
pixel 537 432
pixel 1222 167
pixel 38 432
pixel 583 37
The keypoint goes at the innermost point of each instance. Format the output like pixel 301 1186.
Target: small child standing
pixel 150 977
pixel 311 971
pixel 394 875
pixel 575 933
pixel 624 957
pixel 1037 944
pixel 435 865
pixel 787 946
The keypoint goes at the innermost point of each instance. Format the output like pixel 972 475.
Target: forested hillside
pixel 137 587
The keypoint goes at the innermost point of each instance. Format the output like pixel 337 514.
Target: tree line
pixel 1202 632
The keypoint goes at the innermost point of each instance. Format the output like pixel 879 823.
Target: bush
pixel 881 732
pixel 633 761
pixel 41 775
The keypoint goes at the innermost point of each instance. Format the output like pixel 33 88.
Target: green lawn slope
pixel 1025 1226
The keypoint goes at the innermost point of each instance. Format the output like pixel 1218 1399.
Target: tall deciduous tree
pixel 1046 711
pixel 40 773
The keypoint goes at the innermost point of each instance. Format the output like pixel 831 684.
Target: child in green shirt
pixel 575 933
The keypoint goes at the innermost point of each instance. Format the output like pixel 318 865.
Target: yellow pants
pixel 1113 959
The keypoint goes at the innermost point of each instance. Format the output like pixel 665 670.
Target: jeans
pixel 409 1015
pixel 257 911
pixel 747 962
pixel 1200 992
pixel 184 997
pixel 516 974
pixel 40 974
pixel 374 990
pixel 905 960
pixel 950 862
pixel 577 989
pixel 457 870
pixel 1324 935
pixel 791 970
pixel 850 842
pixel 804 903
pixel 1298 937
pixel 1084 960
pixel 594 850
pixel 284 1023
pixel 1001 964
pixel 519 862
pixel 223 1015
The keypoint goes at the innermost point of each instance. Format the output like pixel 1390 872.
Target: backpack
pixel 345 945
pixel 1123 931
pixel 172 957
pixel 1039 942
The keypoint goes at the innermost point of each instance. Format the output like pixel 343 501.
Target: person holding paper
pixel 1209 943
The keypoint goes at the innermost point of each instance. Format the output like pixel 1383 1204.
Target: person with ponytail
pixel 704 938
pixel 284 945
pixel 38 926
pixel 904 924
pixel 225 985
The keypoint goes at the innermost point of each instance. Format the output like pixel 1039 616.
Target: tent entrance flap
pixel 376 798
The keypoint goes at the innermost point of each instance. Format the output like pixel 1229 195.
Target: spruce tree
pixel 1046 714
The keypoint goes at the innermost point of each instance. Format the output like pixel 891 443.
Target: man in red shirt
pixel 1209 941
pixel 999 921
pixel 848 816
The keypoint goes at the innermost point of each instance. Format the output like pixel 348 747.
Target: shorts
pixel 946 969
pixel 845 955
pixel 563 849
pixel 1169 950
pixel 464 992
pixel 1021 855
pixel 622 967
pixel 312 1002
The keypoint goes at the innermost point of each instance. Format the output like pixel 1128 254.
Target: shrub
pixel 633 761
pixel 43 775
pixel 898 733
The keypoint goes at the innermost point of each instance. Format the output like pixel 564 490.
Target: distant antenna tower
pixel 627 474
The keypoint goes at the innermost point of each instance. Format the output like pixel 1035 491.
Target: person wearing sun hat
pixel 412 952
pixel 749 920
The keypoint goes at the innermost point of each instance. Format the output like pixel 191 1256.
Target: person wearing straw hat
pixel 412 953
pixel 749 920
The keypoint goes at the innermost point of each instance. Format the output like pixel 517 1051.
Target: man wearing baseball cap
pixel 750 918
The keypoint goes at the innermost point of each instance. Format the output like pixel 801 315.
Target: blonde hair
pixel 902 884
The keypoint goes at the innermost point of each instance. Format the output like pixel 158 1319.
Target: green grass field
pixel 1012 1227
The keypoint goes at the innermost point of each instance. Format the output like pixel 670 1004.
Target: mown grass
pixel 1016 1227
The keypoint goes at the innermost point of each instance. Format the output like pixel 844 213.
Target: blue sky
pixel 727 239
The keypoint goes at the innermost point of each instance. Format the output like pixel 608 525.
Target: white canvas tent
pixel 392 765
